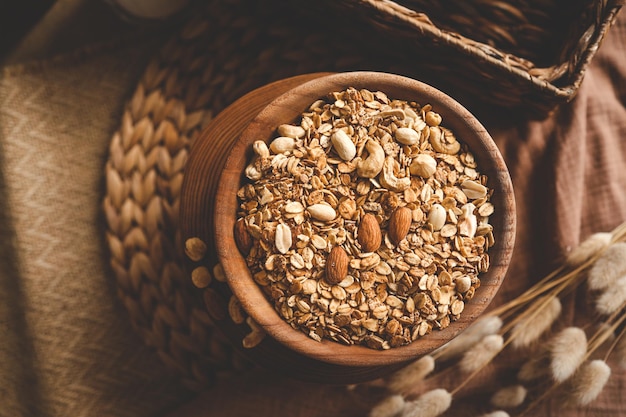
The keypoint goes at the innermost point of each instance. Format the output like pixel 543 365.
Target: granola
pixel 366 221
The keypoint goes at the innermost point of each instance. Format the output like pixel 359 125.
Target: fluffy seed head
pixel 430 404
pixel 388 407
pixel 481 353
pixel 567 351
pixel 509 397
pixel 587 383
pixel 619 352
pixel 499 413
pixel 612 298
pixel 608 267
pixel 469 337
pixel 587 249
pixel 534 368
pixel 528 330
pixel 411 374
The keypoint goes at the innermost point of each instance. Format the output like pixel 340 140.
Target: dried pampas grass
pixel 533 369
pixel 481 353
pixel 531 327
pixel 430 404
pixel 587 383
pixel 389 407
pixel 509 397
pixel 561 366
pixel 619 351
pixel 608 268
pixel 613 298
pixel 567 351
pixel 498 413
pixel 469 337
pixel 411 374
pixel 590 247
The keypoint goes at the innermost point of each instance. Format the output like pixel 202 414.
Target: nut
pixel 282 144
pixel 201 277
pixel 291 131
pixel 407 136
pixel 195 248
pixel 399 224
pixel 242 237
pixel 468 221
pixel 253 339
pixel 343 145
pixel 473 190
pixel 337 265
pixel 373 164
pixel 283 238
pixel 388 179
pixel 235 311
pixel 322 211
pixel 432 119
pixel 293 207
pixel 443 141
pixel 437 216
pixel 253 173
pixel 260 148
pixel 423 165
pixel 369 234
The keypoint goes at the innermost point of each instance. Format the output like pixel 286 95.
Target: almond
pixel 399 224
pixel 337 265
pixel 369 234
pixel 242 237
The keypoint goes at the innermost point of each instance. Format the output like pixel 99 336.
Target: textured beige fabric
pixel 66 348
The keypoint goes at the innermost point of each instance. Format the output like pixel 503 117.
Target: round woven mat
pixel 226 50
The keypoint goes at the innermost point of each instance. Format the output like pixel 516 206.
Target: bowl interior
pixel 286 109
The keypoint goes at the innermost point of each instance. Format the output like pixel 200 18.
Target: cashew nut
pixel 388 180
pixel 371 166
pixel 397 113
pixel 343 145
pixel 432 118
pixel 443 141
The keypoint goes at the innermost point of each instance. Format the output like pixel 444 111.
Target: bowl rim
pixel 252 298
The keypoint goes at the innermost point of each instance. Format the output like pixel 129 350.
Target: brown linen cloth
pixel 66 347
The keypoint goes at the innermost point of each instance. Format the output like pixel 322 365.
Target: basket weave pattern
pixel 530 54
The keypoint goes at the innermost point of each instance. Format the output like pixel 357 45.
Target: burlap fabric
pixel 68 345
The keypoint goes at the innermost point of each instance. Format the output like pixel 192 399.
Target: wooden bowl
pixel 286 108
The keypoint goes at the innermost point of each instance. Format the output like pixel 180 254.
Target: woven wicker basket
pixel 530 54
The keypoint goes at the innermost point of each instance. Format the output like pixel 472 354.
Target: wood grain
pixel 200 192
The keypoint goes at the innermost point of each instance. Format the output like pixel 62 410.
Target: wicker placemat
pixel 226 50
